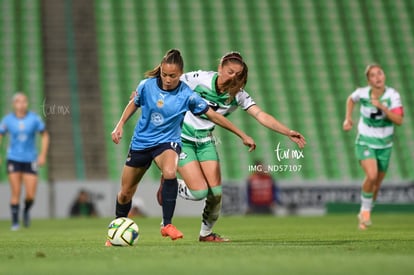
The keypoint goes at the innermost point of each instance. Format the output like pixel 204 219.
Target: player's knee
pixel 371 178
pixel 169 173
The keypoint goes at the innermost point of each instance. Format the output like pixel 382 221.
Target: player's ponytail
pixel 237 83
pixel 173 56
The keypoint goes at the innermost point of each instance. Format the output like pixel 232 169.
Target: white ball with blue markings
pixel 123 232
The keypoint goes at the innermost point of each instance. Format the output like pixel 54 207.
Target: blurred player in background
pixel 380 109
pixel 22 126
pixel 164 100
pixel 199 162
pixel 262 191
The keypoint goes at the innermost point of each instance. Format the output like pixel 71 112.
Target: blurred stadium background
pixel 79 60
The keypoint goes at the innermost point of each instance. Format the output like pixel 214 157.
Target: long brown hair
pixel 172 56
pixel 237 83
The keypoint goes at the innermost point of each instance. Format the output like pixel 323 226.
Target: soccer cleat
pixel 15 227
pixel 108 243
pixel 364 218
pixel 362 226
pixel 368 222
pixel 171 231
pixel 159 192
pixel 213 237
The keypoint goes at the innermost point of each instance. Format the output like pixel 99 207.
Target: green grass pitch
pixel 260 245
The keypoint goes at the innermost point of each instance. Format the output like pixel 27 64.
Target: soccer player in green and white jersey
pixel 199 162
pixel 380 109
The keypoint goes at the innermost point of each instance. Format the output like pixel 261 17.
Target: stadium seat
pixel 304 57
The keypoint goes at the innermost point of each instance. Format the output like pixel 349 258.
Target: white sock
pixel 366 203
pixel 206 229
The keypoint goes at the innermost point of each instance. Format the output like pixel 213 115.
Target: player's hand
pixel 377 103
pixel 248 141
pixel 347 125
pixel 297 138
pixel 116 135
pixel 41 160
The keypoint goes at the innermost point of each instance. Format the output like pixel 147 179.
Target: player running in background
pixel 199 162
pixel 380 109
pixel 22 126
pixel 164 101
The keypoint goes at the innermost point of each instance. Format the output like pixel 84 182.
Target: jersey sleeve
pixel 197 105
pixel 191 79
pixel 396 104
pixel 396 101
pixel 244 100
pixel 356 96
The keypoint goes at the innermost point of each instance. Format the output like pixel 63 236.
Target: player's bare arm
pixel 272 123
pixel 225 123
pixel 129 110
pixel 347 125
pixel 41 160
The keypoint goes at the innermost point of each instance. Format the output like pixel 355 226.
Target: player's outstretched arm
pixel 129 110
pixel 273 124
pixel 225 123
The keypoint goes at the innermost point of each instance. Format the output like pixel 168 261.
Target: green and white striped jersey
pixel 198 128
pixel 375 130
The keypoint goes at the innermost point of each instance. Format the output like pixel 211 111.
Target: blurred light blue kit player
pixel 164 101
pixel 22 126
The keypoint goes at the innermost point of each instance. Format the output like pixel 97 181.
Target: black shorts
pixel 21 167
pixel 143 158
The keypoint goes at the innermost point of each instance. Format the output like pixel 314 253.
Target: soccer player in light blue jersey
pixel 380 110
pixel 164 101
pixel 22 158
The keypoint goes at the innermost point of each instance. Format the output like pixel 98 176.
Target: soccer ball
pixel 123 232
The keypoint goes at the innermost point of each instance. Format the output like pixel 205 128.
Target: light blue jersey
pixel 163 113
pixel 22 131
